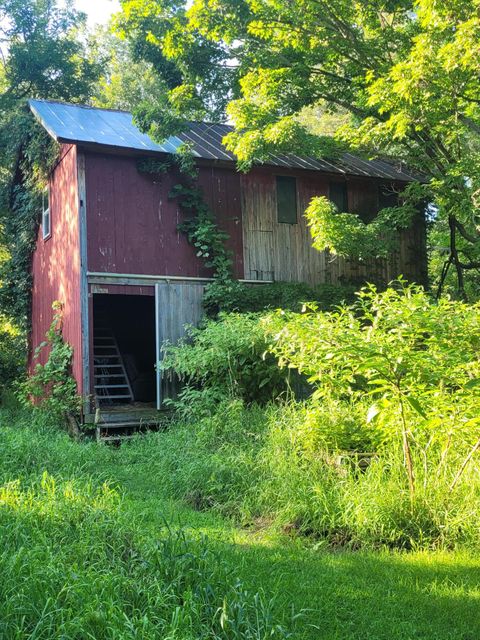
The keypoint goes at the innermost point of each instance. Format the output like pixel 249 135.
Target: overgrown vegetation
pixel 383 452
pixel 244 298
pixel 226 358
pixel 86 548
pixel 12 353
pixel 51 386
pixel 74 564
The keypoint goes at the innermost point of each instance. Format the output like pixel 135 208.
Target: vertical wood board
pixel 177 305
pixel 56 266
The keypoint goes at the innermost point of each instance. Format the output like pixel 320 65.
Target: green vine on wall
pixel 51 386
pixel 33 154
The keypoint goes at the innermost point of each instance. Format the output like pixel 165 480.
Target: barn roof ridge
pixel 90 125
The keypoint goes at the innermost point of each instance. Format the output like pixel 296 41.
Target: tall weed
pixel 73 563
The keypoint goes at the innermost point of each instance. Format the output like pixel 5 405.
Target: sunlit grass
pixel 91 549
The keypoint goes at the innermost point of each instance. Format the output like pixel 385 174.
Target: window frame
pixel 46 215
pixel 286 179
pixel 344 185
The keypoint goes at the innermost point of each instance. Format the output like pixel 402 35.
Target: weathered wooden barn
pixel 109 249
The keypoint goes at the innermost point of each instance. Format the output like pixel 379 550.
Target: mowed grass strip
pixel 85 559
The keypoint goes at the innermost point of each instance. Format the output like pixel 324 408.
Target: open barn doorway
pixel 124 350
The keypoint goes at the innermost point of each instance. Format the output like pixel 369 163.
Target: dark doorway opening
pixel 124 349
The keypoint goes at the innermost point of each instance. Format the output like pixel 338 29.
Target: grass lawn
pixel 338 595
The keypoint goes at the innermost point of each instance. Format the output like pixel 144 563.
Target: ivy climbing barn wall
pixel 56 264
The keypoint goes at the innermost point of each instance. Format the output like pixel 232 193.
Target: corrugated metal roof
pixel 89 125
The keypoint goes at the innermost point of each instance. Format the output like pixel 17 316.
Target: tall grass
pixel 270 464
pixel 73 563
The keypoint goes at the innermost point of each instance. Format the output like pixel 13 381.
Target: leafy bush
pixel 415 360
pixel 227 357
pixel 52 386
pixel 239 297
pixel 12 353
pixel 385 452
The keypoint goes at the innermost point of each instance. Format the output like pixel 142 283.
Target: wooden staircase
pixel 118 417
pixel 112 385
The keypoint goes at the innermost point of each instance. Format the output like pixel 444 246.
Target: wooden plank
pixel 176 306
pixel 56 266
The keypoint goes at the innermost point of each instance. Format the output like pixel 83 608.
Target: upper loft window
pixel 339 196
pixel 286 199
pixel 387 197
pixel 46 217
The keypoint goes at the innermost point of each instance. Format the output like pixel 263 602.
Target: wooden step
pixel 109 375
pixel 106 426
pixel 107 366
pixel 111 386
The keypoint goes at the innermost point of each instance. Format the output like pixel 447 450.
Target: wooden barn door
pixel 176 305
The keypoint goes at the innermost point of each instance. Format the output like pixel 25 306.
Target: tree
pixel 45 54
pixel 405 70
pixel 126 81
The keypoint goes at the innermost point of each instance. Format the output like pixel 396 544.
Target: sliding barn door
pixel 176 305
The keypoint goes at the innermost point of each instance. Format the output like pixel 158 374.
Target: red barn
pixel 109 248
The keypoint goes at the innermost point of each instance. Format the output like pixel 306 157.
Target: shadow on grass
pixel 354 596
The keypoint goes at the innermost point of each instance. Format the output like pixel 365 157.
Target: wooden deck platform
pixel 123 422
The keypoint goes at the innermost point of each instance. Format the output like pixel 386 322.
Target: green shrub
pixel 385 452
pixel 51 386
pixel 243 298
pixel 415 360
pixel 227 357
pixel 12 353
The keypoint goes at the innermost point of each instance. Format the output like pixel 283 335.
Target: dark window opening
pixel 124 349
pixel 46 217
pixel 387 197
pixel 339 196
pixel 286 199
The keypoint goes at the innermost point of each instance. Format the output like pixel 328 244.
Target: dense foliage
pixel 47 56
pixel 385 451
pixel 243 298
pixel 12 353
pixel 226 357
pixel 405 71
pixel 51 385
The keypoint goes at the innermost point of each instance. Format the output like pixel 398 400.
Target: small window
pixel 387 197
pixel 287 199
pixel 46 219
pixel 338 195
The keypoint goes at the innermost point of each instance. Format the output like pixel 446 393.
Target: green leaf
pixel 472 383
pixel 415 404
pixel 373 413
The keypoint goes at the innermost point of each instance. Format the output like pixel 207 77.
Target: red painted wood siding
pixel 132 223
pixel 56 264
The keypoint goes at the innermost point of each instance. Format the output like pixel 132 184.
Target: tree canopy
pixel 45 54
pixel 407 72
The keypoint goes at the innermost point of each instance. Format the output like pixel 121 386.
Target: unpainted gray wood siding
pixel 284 252
pixel 177 306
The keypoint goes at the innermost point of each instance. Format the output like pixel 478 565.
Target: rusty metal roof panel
pixel 105 127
